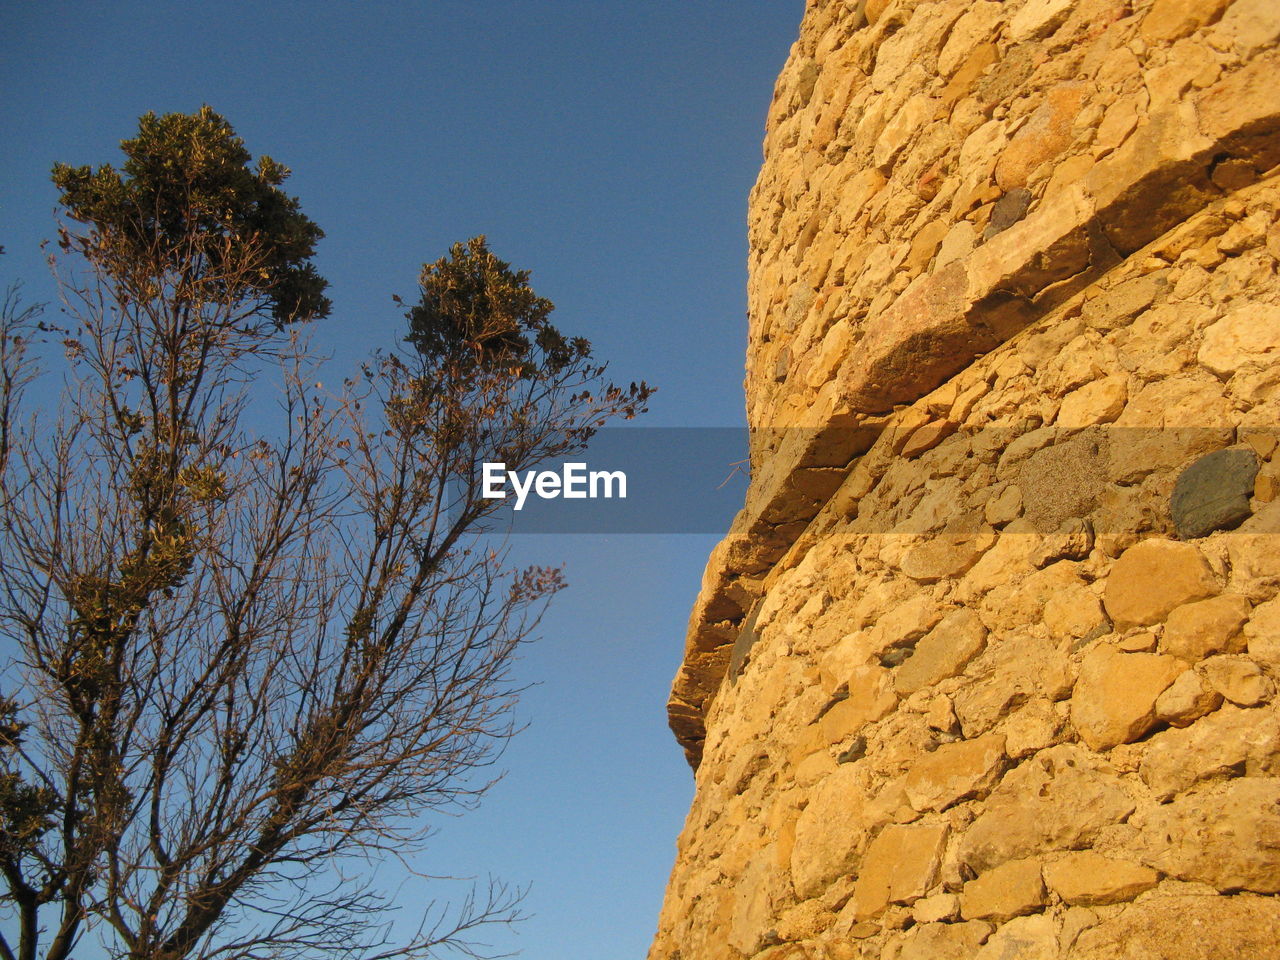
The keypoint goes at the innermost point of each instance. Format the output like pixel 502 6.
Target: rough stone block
pixel 955 772
pixel 1010 890
pixel 1213 493
pixel 1060 798
pixel 942 652
pixel 1085 878
pixel 900 866
pixel 1224 744
pixel 1227 836
pixel 1115 696
pixel 1198 630
pixel 1238 679
pixel 1152 578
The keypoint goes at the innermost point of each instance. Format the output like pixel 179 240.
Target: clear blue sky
pixel 607 146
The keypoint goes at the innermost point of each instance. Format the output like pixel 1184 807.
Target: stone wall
pixel 986 667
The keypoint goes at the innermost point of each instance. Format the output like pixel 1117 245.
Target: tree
pixel 244 657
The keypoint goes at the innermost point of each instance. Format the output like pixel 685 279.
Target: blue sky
pixel 606 146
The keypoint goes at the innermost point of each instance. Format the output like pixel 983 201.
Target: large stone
pixel 1114 701
pixel 1062 482
pixel 1086 878
pixel 1245 335
pixel 830 832
pixel 1101 401
pixel 1213 493
pixel 900 866
pixel 1152 578
pixel 1262 634
pixel 1023 938
pixel 1238 679
pixel 942 652
pixel 1039 18
pixel 1185 928
pixel 1044 136
pixel 945 556
pixel 1010 890
pixel 1198 630
pixel 954 772
pixel 1228 743
pixel 944 941
pixel 1252 25
pixel 869 697
pixel 1011 672
pixel 1227 836
pixel 1059 799
pixel 1187 699
pixel 1168 20
pixel 753 903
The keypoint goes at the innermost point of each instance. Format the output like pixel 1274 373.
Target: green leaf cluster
pixel 189 175
pixel 474 305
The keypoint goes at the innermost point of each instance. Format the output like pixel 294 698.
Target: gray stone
pixel 742 646
pixel 1213 493
pixel 1008 210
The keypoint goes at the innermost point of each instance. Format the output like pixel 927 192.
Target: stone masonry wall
pixel 987 665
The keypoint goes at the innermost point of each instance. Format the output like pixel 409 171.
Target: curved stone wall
pixel 986 667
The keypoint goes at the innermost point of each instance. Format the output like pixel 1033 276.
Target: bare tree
pixel 246 661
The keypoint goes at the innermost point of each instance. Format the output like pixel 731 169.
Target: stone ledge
pixel 940 324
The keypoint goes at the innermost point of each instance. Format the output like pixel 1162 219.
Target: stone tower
pixel 986 667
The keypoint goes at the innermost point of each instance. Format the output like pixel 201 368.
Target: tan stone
pixel 1060 798
pixel 1186 700
pixel 925 244
pixel 1251 25
pixel 900 866
pixel 1004 506
pixel 1044 136
pixel 1170 19
pixel 1152 578
pixel 1266 485
pixel 1011 672
pixel 835 345
pixel 1262 634
pixel 1031 728
pixel 1198 630
pixel 1085 878
pixel 1009 890
pixel 1076 613
pixel 954 772
pixel 1039 18
pixel 942 652
pixel 1115 695
pixel 753 904
pixel 1099 402
pixel 1224 744
pixel 874 8
pixel 926 437
pixel 1263 443
pixel 941 906
pixel 1139 641
pixel 905 622
pixel 1246 335
pixel 945 556
pixel 944 941
pixel 870 697
pixel 1185 927
pixel 1238 679
pixel 830 832
pixel 1227 836
pixel 1024 938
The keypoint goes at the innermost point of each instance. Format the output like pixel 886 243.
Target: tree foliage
pixel 187 177
pixel 246 657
